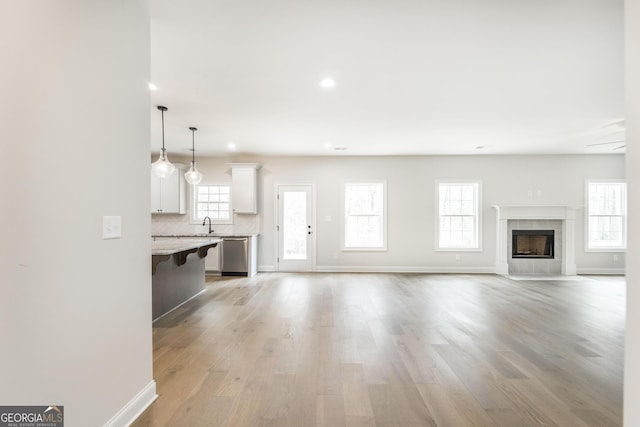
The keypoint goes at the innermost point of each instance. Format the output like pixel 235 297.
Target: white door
pixel 296 234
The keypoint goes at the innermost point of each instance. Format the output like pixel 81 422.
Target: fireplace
pixel 532 244
pixel 560 219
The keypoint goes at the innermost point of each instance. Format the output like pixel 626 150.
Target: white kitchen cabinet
pixel 168 195
pixel 244 187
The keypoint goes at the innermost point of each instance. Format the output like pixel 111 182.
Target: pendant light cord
pixel 162 109
pixel 193 143
pixel 162 112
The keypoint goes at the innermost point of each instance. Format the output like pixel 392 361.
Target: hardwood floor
pixel 392 350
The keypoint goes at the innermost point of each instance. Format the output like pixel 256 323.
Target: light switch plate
pixel 111 227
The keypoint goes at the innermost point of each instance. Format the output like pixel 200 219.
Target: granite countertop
pixel 212 235
pixel 173 246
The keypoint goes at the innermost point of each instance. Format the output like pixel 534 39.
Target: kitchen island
pixel 177 268
pixel 225 262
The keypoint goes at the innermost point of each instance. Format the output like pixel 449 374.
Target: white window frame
pixel 383 183
pixel 587 216
pixel 477 247
pixel 194 201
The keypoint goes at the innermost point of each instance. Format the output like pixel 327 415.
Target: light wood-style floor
pixel 392 350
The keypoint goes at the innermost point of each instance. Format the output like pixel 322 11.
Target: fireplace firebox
pixel 532 244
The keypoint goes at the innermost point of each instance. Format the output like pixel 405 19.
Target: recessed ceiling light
pixel 327 145
pixel 231 145
pixel 327 83
pixel 152 86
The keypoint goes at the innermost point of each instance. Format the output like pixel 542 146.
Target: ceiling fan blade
pixel 604 143
pixel 616 122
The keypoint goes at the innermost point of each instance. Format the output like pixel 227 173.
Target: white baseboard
pixel 431 269
pixel 602 271
pixel 404 269
pixel 136 406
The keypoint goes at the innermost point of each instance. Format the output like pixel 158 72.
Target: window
pixel 364 215
pixel 213 201
pixel 606 215
pixel 458 215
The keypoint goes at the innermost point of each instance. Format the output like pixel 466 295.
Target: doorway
pixel 296 228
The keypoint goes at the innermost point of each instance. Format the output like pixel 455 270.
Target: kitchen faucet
pixel 205 221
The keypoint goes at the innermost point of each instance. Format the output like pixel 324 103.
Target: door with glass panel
pixel 295 228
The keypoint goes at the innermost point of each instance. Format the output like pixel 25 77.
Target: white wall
pixel 552 180
pixel 632 343
pixel 75 310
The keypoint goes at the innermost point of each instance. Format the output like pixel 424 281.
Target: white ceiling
pixel 413 76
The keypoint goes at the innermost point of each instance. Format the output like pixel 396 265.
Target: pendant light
pixel 193 176
pixel 163 167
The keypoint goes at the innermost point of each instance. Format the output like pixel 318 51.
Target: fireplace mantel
pixel 566 214
pixel 535 212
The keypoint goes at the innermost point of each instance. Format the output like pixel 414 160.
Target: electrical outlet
pixel 615 257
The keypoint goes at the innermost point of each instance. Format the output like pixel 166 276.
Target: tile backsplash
pixel 180 224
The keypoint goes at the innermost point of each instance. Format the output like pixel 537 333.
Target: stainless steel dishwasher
pixel 235 256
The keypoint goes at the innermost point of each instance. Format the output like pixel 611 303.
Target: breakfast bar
pixel 178 271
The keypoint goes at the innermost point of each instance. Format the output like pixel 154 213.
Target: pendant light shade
pixel 193 176
pixel 163 167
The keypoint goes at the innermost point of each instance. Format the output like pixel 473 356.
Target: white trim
pixel 403 269
pixel 602 271
pixel 192 204
pixel 135 407
pixel 255 166
pixel 264 268
pixel 479 220
pixel 363 249
pixel 544 212
pixel 314 224
pixel 566 214
pixel 382 248
pixel 622 248
pixel 615 250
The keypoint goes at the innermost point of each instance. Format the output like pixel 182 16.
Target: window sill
pixel 606 250
pixel 364 249
pixel 458 249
